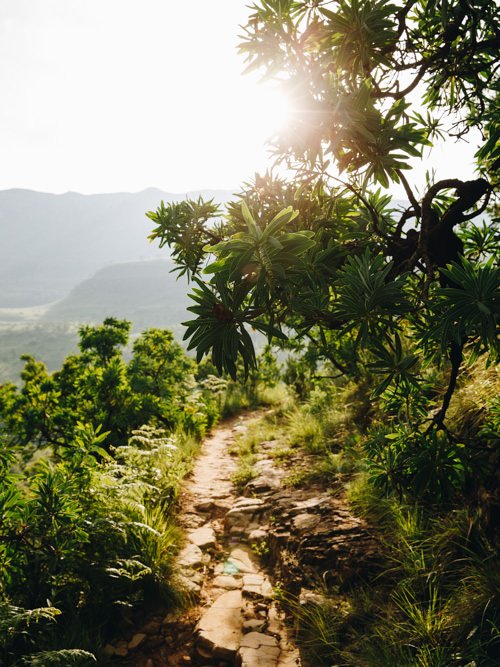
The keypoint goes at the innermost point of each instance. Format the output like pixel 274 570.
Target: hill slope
pixel 146 293
pixel 50 243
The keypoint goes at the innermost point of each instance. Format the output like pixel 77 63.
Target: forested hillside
pixel 72 258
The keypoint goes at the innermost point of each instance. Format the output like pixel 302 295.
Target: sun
pixel 268 112
pixel 272 111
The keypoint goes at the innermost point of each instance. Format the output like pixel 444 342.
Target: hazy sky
pixel 108 95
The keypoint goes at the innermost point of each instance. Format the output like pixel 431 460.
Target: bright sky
pixel 121 95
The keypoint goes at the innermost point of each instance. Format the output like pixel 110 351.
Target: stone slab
pixel 190 556
pixel 226 581
pixel 219 629
pixel 258 650
pixel 203 537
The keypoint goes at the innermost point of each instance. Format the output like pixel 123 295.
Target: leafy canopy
pixel 328 255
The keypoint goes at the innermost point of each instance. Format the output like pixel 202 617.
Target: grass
pixel 303 429
pixel 436 600
pixel 246 445
pixel 240 397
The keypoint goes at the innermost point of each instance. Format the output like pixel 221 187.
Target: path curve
pixel 234 621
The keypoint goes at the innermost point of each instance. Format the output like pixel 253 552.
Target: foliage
pixel 97 387
pixel 399 300
pixel 91 462
pixel 326 257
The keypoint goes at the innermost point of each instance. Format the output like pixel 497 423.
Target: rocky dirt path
pixel 234 621
pixel 312 540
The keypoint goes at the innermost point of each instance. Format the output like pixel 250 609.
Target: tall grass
pixel 435 601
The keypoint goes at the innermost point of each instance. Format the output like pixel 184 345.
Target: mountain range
pixel 49 243
pixel 71 259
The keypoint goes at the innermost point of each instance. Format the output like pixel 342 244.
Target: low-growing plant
pixel 304 429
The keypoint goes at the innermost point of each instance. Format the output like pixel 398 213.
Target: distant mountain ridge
pixel 49 243
pixel 146 293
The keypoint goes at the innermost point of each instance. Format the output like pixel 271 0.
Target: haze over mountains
pixel 49 243
pixel 72 258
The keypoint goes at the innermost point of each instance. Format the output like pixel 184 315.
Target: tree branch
pixel 409 192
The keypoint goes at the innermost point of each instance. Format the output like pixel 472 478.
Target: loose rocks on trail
pixel 235 620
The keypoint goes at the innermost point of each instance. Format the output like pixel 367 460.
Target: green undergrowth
pixel 92 458
pixel 95 537
pixel 242 396
pixel 433 600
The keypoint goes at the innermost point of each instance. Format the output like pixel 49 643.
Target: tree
pixel 328 254
pixel 97 387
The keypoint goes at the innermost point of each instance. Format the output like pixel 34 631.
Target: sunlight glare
pixel 269 112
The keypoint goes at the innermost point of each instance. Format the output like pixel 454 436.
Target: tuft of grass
pixel 277 397
pixel 298 478
pixel 330 466
pixel 319 626
pixel 304 429
pixel 244 474
pixel 282 454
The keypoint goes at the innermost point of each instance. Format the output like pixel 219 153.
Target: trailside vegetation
pixel 91 461
pixel 399 299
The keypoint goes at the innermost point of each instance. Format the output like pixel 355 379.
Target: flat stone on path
pixel 190 556
pixel 242 558
pixel 257 585
pixel 258 650
pixel 219 629
pixel 203 537
pixel 226 581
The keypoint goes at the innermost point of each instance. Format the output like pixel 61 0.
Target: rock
pixel 303 522
pixel 219 629
pixel 257 535
pixel 275 620
pixel 257 639
pixel 188 585
pixel 245 512
pixel 243 559
pixel 137 640
pixel 192 521
pixel 203 537
pixel 309 504
pixel 254 625
pixel 204 505
pixel 243 501
pixel 190 556
pixel 257 586
pixel 151 628
pixel 267 480
pixel 308 597
pixel 256 579
pixel 258 650
pixel 226 581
